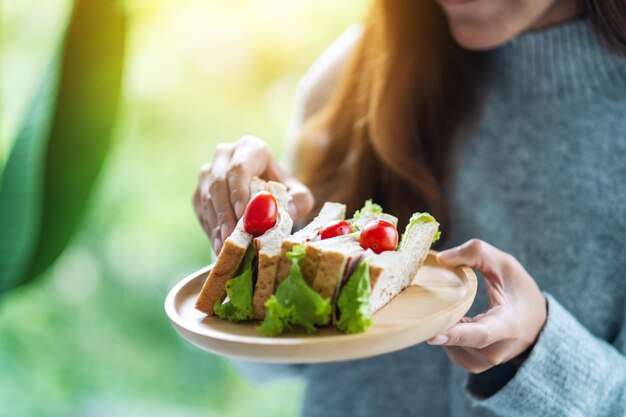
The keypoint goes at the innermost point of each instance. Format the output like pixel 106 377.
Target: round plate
pixel 436 299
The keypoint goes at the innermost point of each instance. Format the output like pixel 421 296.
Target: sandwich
pixel 327 260
pixel 268 280
pixel 332 272
pixel 247 268
pixel 345 279
pixel 252 248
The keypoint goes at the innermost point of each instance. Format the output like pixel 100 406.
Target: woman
pixel 507 119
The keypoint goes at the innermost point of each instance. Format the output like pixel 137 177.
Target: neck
pixel 560 11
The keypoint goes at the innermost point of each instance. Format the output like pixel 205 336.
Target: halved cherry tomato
pixel 379 236
pixel 260 214
pixel 336 228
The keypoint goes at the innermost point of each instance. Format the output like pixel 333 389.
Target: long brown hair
pixel 388 129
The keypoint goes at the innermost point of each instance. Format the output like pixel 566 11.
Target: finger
pixel 197 194
pixel 198 208
pixel 208 218
pixel 274 172
pixel 212 227
pixel 219 195
pixel 443 338
pixel 468 359
pixel 225 217
pixel 492 327
pixel 238 178
pixel 249 158
pixel 205 171
pixel 495 293
pixel 301 199
pixel 480 255
pixel 201 202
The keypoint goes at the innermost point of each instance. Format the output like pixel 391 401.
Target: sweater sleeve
pixel 569 372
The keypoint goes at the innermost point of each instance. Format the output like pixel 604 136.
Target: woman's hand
pixel 516 315
pixel 223 189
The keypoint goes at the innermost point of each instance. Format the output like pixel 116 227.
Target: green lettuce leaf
pixel 294 303
pixel 355 312
pixel 370 207
pixel 239 291
pixel 275 321
pixel 420 218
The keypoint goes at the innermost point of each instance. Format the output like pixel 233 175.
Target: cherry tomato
pixel 260 214
pixel 336 228
pixel 379 236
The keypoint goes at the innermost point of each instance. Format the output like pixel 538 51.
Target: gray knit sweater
pixel 542 176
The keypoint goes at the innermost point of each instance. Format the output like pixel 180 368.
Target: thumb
pixel 475 253
pixel 301 199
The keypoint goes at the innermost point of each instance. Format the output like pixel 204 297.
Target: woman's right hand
pixel 223 189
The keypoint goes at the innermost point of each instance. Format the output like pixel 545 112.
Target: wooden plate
pixel 436 299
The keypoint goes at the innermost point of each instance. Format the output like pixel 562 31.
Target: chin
pixel 480 38
pixel 484 24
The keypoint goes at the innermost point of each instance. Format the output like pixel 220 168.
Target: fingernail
pixel 439 340
pixel 238 209
pixel 216 245
pixel 449 254
pixel 225 230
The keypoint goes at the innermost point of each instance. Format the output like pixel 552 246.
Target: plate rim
pixel 467 275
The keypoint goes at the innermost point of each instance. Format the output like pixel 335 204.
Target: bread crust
pixel 310 262
pixel 284 263
pixel 229 258
pixel 264 287
pixel 329 212
pixel 269 246
pixel 396 270
pixel 329 272
pixel 225 267
pixel 375 274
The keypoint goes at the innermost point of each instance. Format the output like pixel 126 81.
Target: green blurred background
pixel 88 336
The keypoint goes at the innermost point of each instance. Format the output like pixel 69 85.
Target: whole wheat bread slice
pixel 391 272
pixel 330 212
pixel 313 254
pixel 268 246
pixel 227 262
pixel 333 260
pixel 326 260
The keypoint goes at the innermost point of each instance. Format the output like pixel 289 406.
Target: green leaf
pixel 21 188
pixel 294 303
pixel 61 147
pixel 420 218
pixel 355 312
pixel 239 291
pixel 276 318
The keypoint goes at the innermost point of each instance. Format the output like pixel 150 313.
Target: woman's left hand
pixel 516 315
